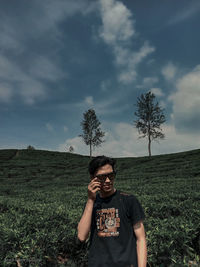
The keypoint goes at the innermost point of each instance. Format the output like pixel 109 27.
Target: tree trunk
pixel 149 146
pixel 90 149
pixel 149 137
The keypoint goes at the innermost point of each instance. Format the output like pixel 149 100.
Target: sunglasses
pixel 102 177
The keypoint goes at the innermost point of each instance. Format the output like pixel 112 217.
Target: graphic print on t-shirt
pixel 107 222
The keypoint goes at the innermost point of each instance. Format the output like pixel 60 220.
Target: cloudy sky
pixel 60 58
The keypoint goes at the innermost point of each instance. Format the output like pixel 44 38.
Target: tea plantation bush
pixel 42 196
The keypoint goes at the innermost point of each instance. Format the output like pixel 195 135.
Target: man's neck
pixel 104 195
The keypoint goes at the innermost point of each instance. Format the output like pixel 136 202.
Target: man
pixel 115 220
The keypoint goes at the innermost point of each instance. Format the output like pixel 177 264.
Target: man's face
pixel 106 176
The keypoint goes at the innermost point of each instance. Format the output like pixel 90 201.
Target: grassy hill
pixel 46 164
pixel 42 195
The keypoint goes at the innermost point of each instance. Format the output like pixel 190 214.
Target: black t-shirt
pixel 112 239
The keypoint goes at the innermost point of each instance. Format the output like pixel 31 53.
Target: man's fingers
pixel 94 188
pixel 94 185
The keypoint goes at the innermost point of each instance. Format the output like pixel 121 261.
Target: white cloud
pixel 9 37
pixel 23 71
pixel 42 17
pixel 32 90
pixel 6 93
pixel 49 127
pixel 162 104
pixel 78 145
pixel 43 68
pixel 117 31
pixel 175 142
pixel 117 22
pixel 119 142
pixel 9 70
pixel 105 86
pixel 89 101
pixel 19 83
pixel 109 105
pixel 65 128
pixel 129 60
pixel 185 13
pixel 56 11
pixel 186 102
pixel 122 55
pixel 169 71
pixel 149 81
pixel 157 91
pixel 122 141
pixel 144 51
pixel 151 61
pixel 127 76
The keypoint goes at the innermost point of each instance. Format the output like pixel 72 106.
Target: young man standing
pixel 115 220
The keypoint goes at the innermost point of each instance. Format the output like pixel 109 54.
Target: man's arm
pixel 85 222
pixel 141 244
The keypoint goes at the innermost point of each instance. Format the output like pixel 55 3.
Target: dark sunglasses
pixel 102 177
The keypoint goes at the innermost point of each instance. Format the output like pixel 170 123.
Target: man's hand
pixel 93 187
pixel 85 222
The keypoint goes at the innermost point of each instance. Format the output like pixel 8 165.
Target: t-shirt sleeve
pixel 135 211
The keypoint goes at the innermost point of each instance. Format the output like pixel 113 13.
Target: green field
pixel 42 195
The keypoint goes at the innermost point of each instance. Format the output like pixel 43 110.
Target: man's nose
pixel 107 179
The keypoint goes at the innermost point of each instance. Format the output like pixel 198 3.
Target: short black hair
pixel 98 162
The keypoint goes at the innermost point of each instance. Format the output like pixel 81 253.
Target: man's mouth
pixel 107 185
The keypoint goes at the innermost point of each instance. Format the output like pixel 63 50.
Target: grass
pixel 43 193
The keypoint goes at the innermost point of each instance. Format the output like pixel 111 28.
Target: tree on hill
pixel 150 117
pixel 30 147
pixel 71 149
pixel 92 134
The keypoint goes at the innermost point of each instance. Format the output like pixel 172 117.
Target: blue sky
pixel 60 58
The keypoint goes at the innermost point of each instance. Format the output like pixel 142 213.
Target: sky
pixel 60 58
